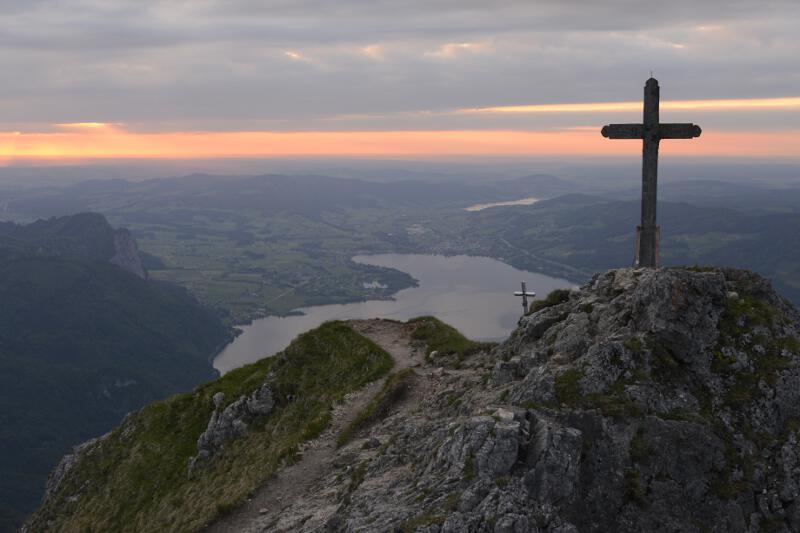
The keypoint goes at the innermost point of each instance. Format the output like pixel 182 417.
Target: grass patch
pixel 639 449
pixel 426 519
pixel 558 296
pixel 612 403
pixel 682 415
pixel 445 339
pixel 567 386
pixel 470 470
pixel 743 315
pixel 634 345
pixel 136 479
pixel 634 492
pixel 392 391
pixel 356 479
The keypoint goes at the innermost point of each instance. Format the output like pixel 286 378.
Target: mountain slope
pixel 182 461
pixel 82 343
pixel 663 400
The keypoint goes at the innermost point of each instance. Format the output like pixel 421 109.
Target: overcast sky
pixel 346 65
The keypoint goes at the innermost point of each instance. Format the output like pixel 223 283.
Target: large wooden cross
pixel 651 132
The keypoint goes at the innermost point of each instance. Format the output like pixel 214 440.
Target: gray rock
pixel 670 406
pixel 126 253
pixel 230 422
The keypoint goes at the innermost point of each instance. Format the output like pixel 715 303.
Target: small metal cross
pixel 524 293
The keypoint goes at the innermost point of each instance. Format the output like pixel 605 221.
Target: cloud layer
pixel 316 65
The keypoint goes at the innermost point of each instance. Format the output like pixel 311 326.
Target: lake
pixel 522 201
pixel 473 294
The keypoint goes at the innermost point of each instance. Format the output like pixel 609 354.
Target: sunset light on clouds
pixel 113 142
pixel 230 79
pixel 87 140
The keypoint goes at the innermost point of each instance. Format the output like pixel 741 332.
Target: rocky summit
pixel 648 400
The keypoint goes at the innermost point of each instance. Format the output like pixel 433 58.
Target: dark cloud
pixel 290 64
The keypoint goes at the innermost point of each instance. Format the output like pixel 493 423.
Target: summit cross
pixel 651 132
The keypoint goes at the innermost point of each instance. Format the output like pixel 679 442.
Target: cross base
pixel 636 259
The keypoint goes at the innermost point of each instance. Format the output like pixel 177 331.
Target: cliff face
pixel 126 253
pixel 82 236
pixel 662 400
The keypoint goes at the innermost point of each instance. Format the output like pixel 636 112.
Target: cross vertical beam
pixel 647 242
pixel 524 293
pixel 651 131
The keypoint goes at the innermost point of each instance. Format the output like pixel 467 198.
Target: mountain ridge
pixel 655 400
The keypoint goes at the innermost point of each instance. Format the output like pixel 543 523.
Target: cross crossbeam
pixel 651 132
pixel 665 131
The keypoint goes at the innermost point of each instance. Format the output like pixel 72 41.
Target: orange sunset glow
pixel 97 140
pixel 114 142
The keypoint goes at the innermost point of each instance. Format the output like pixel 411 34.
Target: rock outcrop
pixel 83 235
pixel 650 400
pixel 229 422
pixel 126 253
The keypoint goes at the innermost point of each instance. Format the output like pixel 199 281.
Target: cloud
pixel 788 103
pixel 233 64
pixel 451 50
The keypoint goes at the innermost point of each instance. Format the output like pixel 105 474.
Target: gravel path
pixel 263 511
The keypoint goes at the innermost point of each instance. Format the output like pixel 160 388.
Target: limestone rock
pixel 229 422
pixel 650 400
pixel 126 253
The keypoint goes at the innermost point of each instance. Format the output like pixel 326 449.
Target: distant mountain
pixel 577 234
pixel 82 236
pixel 537 185
pixel 84 339
pixel 308 195
pixel 754 199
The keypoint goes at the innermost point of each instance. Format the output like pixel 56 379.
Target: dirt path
pixel 291 483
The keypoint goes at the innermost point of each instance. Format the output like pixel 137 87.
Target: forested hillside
pixel 82 343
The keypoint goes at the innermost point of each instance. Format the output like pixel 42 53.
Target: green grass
pixel 567 386
pixel 614 402
pixel 639 449
pixel 392 391
pixel 558 296
pixel 743 315
pixel 445 339
pixel 426 519
pixel 136 479
pixel 634 492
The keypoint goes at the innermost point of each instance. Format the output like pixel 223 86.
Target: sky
pixel 92 79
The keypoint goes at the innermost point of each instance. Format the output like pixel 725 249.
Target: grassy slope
pixel 136 480
pixel 444 339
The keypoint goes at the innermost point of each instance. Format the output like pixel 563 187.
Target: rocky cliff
pixel 126 253
pixel 80 236
pixel 649 400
